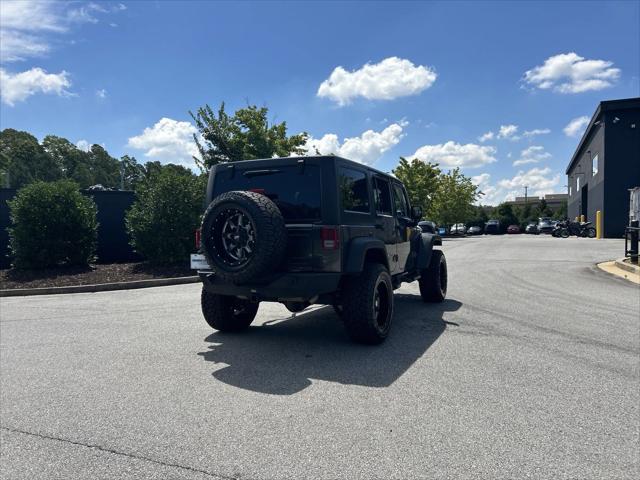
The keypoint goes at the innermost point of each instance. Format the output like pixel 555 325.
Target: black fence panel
pixel 113 241
pixel 5 195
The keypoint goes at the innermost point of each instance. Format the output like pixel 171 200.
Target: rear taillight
pixel 198 239
pixel 330 238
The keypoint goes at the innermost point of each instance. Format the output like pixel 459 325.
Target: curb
pixel 628 266
pixel 612 268
pixel 100 287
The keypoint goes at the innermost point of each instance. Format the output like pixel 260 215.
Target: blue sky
pixel 370 81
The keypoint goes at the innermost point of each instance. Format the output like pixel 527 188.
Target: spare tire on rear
pixel 243 236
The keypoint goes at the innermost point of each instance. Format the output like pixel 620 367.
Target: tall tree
pixel 23 160
pixel 131 171
pixel 105 168
pixel 421 180
pixel 74 163
pixel 245 135
pixel 454 198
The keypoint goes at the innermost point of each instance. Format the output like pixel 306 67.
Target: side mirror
pixel 416 213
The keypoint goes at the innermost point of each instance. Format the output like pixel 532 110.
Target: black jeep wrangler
pixel 309 230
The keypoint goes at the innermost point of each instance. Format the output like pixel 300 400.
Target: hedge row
pixel 53 224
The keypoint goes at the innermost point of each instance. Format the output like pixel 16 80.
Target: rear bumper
pixel 289 286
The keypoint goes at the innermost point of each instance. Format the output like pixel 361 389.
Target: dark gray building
pixel 606 165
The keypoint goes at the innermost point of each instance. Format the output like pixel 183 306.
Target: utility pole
pixel 525 193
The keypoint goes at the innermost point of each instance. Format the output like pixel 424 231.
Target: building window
pixel 570 190
pixel 577 184
pixel 594 166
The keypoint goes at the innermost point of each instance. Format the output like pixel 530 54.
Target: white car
pixel 458 229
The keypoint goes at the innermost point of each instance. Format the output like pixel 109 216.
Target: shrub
pixel 53 224
pixel 162 221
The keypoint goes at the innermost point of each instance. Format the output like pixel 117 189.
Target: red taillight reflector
pixel 330 238
pixel 261 191
pixel 198 239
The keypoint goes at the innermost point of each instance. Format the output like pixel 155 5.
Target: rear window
pixel 295 190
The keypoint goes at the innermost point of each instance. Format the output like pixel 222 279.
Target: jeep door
pixel 404 224
pixel 385 223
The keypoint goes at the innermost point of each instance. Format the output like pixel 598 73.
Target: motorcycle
pixel 579 229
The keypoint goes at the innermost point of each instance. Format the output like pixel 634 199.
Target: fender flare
pixel 425 247
pixel 357 251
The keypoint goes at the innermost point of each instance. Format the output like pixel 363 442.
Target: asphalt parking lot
pixel 530 369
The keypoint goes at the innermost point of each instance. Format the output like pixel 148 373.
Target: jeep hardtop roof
pixel 294 159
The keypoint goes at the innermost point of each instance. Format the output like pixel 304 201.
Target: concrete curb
pixel 629 267
pixel 100 287
pixel 612 268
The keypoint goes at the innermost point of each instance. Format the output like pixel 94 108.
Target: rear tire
pixel 227 314
pixel 433 280
pixel 368 305
pixel 591 232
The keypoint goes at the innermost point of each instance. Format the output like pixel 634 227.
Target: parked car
pixel 513 229
pixel 313 230
pixel 428 226
pixel 545 226
pixel 474 230
pixel 458 229
pixel 492 227
pixel 532 228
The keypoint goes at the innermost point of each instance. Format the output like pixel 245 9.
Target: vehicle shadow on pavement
pixel 281 358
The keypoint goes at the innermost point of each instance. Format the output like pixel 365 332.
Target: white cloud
pixel 505 132
pixel 508 132
pixel 169 141
pixel 17 87
pixel 540 181
pixel 393 77
pixel 27 25
pixel 367 148
pixel 83 145
pixel 452 154
pixel 485 137
pixel 102 93
pixel 571 73
pixel 535 132
pixel 576 127
pixel 533 154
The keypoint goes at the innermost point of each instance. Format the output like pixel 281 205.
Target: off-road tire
pixel 358 303
pixel 433 279
pixel 227 314
pixel 270 236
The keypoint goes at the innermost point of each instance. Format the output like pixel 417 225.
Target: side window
pixel 400 201
pixel 354 193
pixel 594 166
pixel 382 196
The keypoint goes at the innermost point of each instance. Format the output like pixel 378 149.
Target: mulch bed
pixel 94 274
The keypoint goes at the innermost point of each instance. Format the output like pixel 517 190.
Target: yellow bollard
pixel 582 218
pixel 598 224
pixel 576 219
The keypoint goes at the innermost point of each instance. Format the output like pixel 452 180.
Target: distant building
pixel 554 200
pixel 606 164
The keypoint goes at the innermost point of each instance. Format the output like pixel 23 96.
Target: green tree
pixel 506 216
pixel 105 168
pixel 23 160
pixel 132 172
pixel 421 181
pixel 52 224
pixel 74 163
pixel 245 135
pixel 454 198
